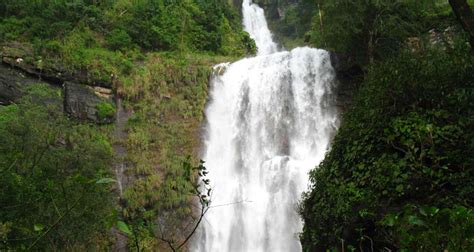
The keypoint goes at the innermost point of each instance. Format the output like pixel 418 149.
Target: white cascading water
pixel 256 25
pixel 270 121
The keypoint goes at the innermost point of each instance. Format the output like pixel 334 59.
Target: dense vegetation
pixel 54 177
pixel 121 25
pixel 398 175
pixel 104 39
pixel 400 167
pixel 376 29
pixel 157 56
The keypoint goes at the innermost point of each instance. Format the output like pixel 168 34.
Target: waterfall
pixel 256 25
pixel 270 120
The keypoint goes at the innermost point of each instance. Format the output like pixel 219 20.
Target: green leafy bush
pixel 432 229
pixel 11 28
pixel 119 40
pixel 191 25
pixel 105 110
pixel 369 30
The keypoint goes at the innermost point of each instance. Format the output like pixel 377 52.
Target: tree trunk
pixel 464 15
pixel 371 47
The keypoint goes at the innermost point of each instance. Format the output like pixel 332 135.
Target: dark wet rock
pixel 349 75
pixel 344 65
pixel 86 104
pixel 12 85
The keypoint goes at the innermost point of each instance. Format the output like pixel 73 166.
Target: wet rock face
pixel 12 85
pixel 83 103
pixel 10 88
pixel 349 75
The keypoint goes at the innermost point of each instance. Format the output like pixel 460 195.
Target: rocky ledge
pixel 21 56
pixel 82 99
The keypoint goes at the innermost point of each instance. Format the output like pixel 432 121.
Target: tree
pixel 363 30
pixel 464 15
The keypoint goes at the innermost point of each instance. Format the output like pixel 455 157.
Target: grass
pixel 168 95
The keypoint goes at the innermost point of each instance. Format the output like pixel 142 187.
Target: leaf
pixel 415 221
pixel 105 181
pixel 423 211
pixel 399 188
pixel 38 227
pixel 122 226
pixel 434 211
pixel 209 192
pixel 389 220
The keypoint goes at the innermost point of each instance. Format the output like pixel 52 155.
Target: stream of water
pixel 270 120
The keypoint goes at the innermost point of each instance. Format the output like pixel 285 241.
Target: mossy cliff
pixel 167 98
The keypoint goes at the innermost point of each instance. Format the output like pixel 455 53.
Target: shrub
pixel 105 110
pixel 406 141
pixel 11 28
pixel 119 39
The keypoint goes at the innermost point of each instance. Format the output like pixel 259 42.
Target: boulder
pixel 83 103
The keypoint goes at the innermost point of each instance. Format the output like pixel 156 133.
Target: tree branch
pixel 55 223
pixel 463 13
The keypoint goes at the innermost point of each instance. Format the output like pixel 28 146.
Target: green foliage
pixel 432 229
pixel 407 140
pixel 83 50
pixel 99 42
pixel 122 226
pixel 189 25
pixel 167 95
pixel 367 30
pixel 11 28
pixel 49 167
pixel 234 43
pixel 105 110
pixel 119 40
pixel 369 21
